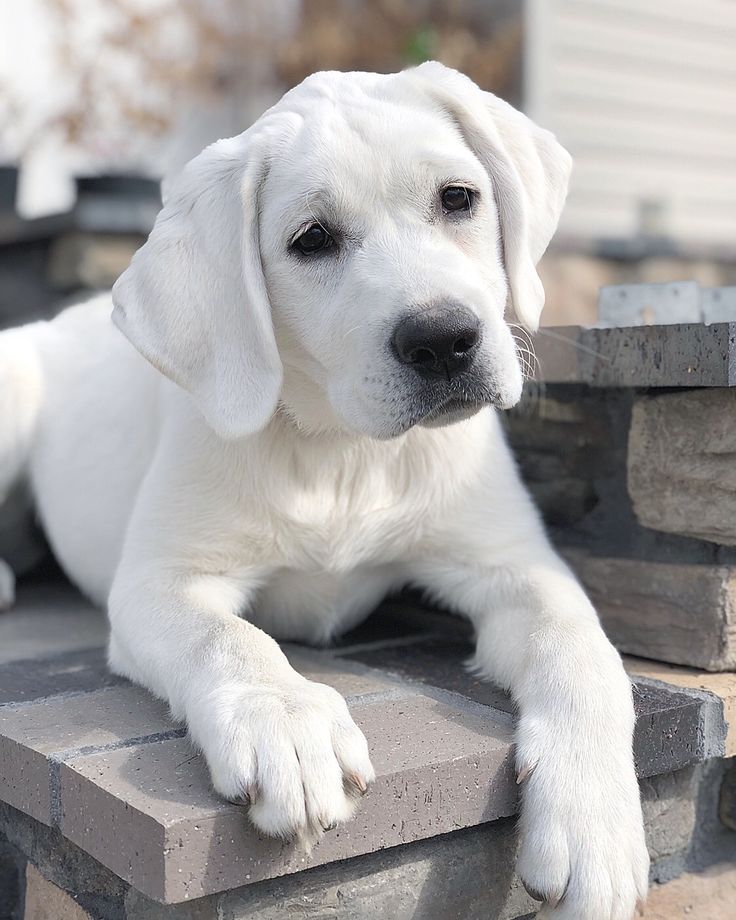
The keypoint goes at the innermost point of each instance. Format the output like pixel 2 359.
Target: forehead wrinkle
pixel 350 185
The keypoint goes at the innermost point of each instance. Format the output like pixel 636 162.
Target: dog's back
pixel 78 408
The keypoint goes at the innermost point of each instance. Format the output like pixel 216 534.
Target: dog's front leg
pixel 583 848
pixel 283 745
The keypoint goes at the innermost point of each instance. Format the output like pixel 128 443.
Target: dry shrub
pixel 483 40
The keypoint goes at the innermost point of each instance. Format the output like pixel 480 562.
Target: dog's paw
pixel 292 755
pixel 583 850
pixel 7 586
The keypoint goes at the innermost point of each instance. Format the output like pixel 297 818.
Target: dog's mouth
pixel 453 410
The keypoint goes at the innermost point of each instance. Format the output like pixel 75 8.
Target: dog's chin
pixel 451 412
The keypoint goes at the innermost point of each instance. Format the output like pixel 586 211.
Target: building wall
pixel 643 94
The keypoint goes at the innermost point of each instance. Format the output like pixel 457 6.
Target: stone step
pixel 100 762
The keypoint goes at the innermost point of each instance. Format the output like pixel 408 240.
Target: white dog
pixel 321 309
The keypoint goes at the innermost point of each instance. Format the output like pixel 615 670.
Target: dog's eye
pixel 314 239
pixel 457 198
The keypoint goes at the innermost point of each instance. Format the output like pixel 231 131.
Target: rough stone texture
pixel 727 799
pixel 720 688
pixel 460 876
pixel 645 356
pixel 579 448
pixel 563 446
pixel 95 887
pixel 322 669
pixel 668 805
pixel 439 767
pixel 681 469
pixel 46 901
pixel 669 732
pixel 11 869
pixel 465 876
pixel 713 841
pixel 35 739
pixel 679 613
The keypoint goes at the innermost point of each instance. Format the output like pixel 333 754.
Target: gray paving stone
pixel 49 620
pixel 33 737
pixel 324 669
pixel 645 356
pixel 668 735
pixel 120 780
pixel 148 813
pixel 440 663
pixel 71 672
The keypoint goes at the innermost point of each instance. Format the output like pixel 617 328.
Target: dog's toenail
pixel 358 782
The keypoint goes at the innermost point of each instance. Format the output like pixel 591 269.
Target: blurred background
pixel 100 99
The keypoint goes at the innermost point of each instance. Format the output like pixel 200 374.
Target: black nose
pixel 438 341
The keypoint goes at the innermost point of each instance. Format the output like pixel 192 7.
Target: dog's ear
pixel 193 300
pixel 529 170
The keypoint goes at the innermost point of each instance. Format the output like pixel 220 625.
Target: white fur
pixel 290 472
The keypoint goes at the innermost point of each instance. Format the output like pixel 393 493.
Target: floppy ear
pixel 529 170
pixel 193 300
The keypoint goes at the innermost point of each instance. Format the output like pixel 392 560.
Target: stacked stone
pixel 631 451
pixel 628 441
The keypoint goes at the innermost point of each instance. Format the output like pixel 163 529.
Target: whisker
pixel 355 327
pixel 573 344
pixel 531 366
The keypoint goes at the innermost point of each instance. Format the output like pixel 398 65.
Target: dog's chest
pixel 338 546
pixel 338 523
pixel 315 607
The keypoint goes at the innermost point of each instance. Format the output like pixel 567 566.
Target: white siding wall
pixel 643 94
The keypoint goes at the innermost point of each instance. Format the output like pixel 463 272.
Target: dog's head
pixel 350 257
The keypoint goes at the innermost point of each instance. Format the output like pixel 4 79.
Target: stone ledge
pixel 100 760
pixel 685 355
pixel 720 688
